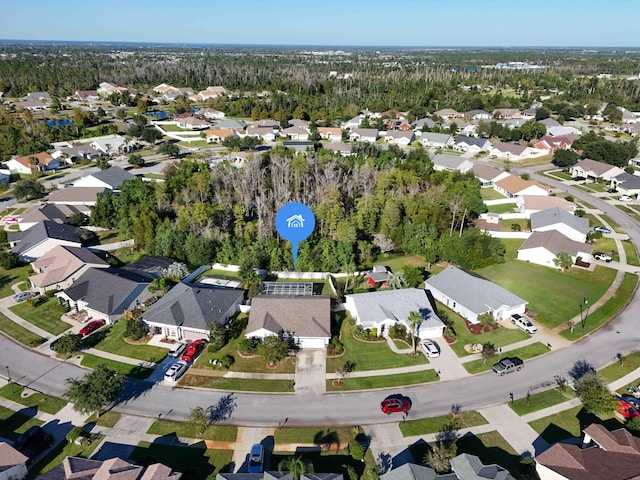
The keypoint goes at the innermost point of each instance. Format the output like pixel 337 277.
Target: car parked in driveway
pixel 22 296
pixel 625 198
pixel 91 327
pixel 177 348
pixel 430 348
pixel 523 323
pixel 175 371
pixel 193 349
pixel 256 459
pixel 600 228
pixel 395 404
pixel 602 256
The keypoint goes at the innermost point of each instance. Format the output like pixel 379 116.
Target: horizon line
pixel 317 45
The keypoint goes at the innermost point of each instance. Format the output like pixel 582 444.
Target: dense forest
pixel 363 206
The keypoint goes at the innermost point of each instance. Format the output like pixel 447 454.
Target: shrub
pixel 398 331
pixel 68 344
pixel 227 361
pixel 335 346
pixel 249 346
pixel 356 449
pixel 236 327
pixel 136 329
pixel 9 260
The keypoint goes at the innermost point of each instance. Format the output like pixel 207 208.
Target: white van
pixel 22 296
pixel 177 349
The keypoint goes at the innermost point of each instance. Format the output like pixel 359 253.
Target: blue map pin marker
pixel 295 222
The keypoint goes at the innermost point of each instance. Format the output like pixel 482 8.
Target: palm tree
pixel 396 280
pixel 296 465
pixel 415 320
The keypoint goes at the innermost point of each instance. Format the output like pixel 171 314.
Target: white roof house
pixel 594 170
pixel 576 228
pixel 528 204
pixel 436 140
pixel 111 178
pixel 470 295
pixel 451 162
pixel 543 247
pixel 383 309
pixel 488 175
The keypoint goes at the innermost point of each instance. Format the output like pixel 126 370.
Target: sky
pixel 426 23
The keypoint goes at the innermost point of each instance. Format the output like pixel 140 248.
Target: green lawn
pixel 541 400
pixel 501 208
pixel 239 384
pixel 528 351
pixel 385 381
pixel 506 225
pixel 500 337
pixel 111 340
pixel 220 274
pixel 396 261
pixel 426 426
pixel 221 433
pixel 9 277
pixel 559 174
pixel 316 435
pixel 60 452
pixel 618 370
pixel 608 245
pixel 19 333
pixel 569 423
pixel 36 400
pixel 490 194
pixel 511 246
pixel 630 251
pixel 553 295
pixel 46 315
pixel 107 419
pixel 133 371
pixel 368 355
pixel 12 424
pixel 194 463
pixel 607 311
pixel 170 127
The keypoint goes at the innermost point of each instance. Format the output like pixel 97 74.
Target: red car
pixel 627 410
pixel 91 327
pixel 193 349
pixel 395 405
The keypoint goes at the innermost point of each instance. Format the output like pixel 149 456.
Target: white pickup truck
pixel 523 323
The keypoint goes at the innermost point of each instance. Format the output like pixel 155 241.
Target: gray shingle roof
pixel 40 232
pixel 193 306
pixel 469 467
pixel 479 142
pixel 410 471
pixel 555 242
pixel 556 215
pixel 106 289
pixel 436 137
pixel 472 291
pixel 114 176
pixel 451 162
pixel 628 181
pixel 308 316
pixel 395 304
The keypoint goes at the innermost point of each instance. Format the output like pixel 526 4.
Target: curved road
pixel 620 335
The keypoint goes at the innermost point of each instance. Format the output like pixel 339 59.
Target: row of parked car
pixel 187 350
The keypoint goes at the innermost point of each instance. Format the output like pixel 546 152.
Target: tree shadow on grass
pixel 585 418
pixel 323 462
pixel 473 445
pixel 190 460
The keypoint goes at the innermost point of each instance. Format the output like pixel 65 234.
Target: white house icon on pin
pixel 295 221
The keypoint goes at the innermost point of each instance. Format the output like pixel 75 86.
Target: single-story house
pixel 601 454
pixel 74 152
pixel 552 144
pixel 464 467
pixel 305 319
pixel 233 124
pixel 562 131
pixel 193 123
pixel 186 311
pixel 210 92
pixel 266 134
pixel 421 123
pixel 477 115
pixel 84 96
pixel 385 308
pixel 32 105
pixel 27 164
pixel 451 162
pixel 576 228
pixel 447 113
pixel 462 127
pixel 471 295
pixel 543 247
pixel 13 464
pixel 76 468
pixel 49 211
pixel 111 178
pixel 399 137
pixel 488 175
pixel 363 135
pixel 506 113
pixel 303 147
pixel 41 239
pixel 593 170
pixel 217 135
pixel 626 183
pixel 344 149
pixel 436 140
pixel 61 266
pixel 296 133
pixel 211 114
pixel 513 123
pixel 550 122
pixel 333 134
pixel 38 97
pixel 353 122
pixel 113 144
pixel 105 293
pixel 471 144
pixel 298 122
pixel 514 152
pixel 513 186
pixel 268 122
pixel 79 196
pixel 528 204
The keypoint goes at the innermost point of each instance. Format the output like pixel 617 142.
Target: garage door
pixel 312 343
pixel 193 334
pixel 433 332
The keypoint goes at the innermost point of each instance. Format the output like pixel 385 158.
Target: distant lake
pixel 63 122
pixel 158 115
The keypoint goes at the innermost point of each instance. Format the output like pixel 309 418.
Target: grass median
pixel 36 400
pixel 238 384
pixel 524 353
pixel 541 400
pixel 384 381
pixel 133 371
pixel 427 426
pixel 221 433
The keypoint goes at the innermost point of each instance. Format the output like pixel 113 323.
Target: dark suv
pixel 33 441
